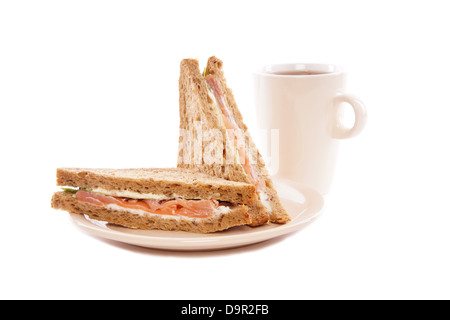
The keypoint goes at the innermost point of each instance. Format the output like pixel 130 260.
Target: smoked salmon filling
pixel 173 207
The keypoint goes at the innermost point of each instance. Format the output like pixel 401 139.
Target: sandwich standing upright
pixel 214 138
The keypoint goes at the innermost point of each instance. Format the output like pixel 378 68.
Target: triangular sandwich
pixel 215 140
pixel 172 199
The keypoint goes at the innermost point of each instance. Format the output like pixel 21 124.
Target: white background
pixel 95 84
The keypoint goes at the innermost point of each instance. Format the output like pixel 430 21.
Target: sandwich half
pixel 172 199
pixel 214 138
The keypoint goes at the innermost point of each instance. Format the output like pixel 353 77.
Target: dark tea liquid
pixel 299 73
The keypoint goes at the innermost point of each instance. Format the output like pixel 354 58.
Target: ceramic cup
pixel 304 103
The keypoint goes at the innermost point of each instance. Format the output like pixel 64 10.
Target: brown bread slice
pixel 199 115
pixel 185 183
pixel 237 216
pixel 197 107
pixel 278 213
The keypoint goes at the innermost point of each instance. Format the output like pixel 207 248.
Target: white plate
pixel 303 205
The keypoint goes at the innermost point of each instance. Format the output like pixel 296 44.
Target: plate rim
pixel 203 242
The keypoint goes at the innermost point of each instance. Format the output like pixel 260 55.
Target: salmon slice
pixel 175 207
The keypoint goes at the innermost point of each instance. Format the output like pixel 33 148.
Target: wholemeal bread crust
pixel 278 214
pixel 184 183
pixel 236 217
pixel 197 108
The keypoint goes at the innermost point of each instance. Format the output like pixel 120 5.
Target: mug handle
pixel 339 130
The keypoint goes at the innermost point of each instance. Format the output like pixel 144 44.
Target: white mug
pixel 303 102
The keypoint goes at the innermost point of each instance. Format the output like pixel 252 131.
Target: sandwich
pixel 171 199
pixel 214 138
